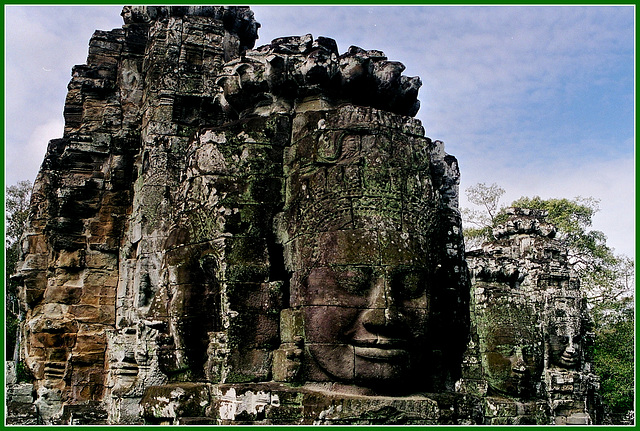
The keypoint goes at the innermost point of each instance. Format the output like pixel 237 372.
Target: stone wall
pixel 232 235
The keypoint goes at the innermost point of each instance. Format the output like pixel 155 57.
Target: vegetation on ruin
pixel 606 279
pixel 17 210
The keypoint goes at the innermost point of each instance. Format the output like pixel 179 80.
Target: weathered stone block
pixel 93 314
pixel 35 262
pixel 90 413
pixel 349 247
pixel 22 413
pixel 286 363
pixel 161 403
pixel 20 392
pixel 253 328
pixel 250 365
pixel 291 325
pixel 67 294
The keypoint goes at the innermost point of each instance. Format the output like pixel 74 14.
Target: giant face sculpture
pixel 366 310
pixel 510 341
pixel 564 345
pixel 368 252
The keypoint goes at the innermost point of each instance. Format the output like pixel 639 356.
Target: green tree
pixel 588 250
pixel 605 276
pixel 613 356
pixel 17 211
pixel 479 223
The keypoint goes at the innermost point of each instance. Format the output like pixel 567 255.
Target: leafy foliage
pixel 613 355
pixel 23 374
pixel 488 198
pixel 588 250
pixel 17 211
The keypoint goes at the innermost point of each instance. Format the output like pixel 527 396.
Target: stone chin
pixel 377 367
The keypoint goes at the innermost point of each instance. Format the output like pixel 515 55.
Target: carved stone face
pixel 511 362
pixel 564 347
pixel 510 345
pixel 366 308
pixel 368 233
pixel 565 334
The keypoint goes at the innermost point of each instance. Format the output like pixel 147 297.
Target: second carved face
pixel 510 342
pixel 565 333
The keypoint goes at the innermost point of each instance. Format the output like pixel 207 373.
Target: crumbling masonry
pixel 229 235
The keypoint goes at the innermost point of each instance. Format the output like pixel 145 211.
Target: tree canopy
pixel 483 220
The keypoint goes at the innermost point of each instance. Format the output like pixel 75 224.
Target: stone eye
pixel 409 283
pixel 354 280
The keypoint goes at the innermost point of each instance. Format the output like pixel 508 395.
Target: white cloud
pixel 482 67
pixel 42 44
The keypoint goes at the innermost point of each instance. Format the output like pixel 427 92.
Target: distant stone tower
pixel 530 328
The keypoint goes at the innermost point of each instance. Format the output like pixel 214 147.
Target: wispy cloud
pixel 612 182
pixel 27 157
pixel 508 74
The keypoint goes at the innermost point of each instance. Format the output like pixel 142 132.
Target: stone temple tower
pixel 235 235
pixel 530 332
pixel 101 203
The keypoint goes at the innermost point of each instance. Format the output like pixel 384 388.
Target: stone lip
pixel 237 19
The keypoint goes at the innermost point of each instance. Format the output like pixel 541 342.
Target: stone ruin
pixel 530 334
pixel 229 235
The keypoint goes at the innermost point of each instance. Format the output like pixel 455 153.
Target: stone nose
pixel 382 311
pixel 378 295
pixel 517 363
pixel 570 349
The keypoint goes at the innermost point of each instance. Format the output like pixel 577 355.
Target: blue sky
pixel 538 99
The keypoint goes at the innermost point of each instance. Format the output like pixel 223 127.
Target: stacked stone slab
pixel 202 187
